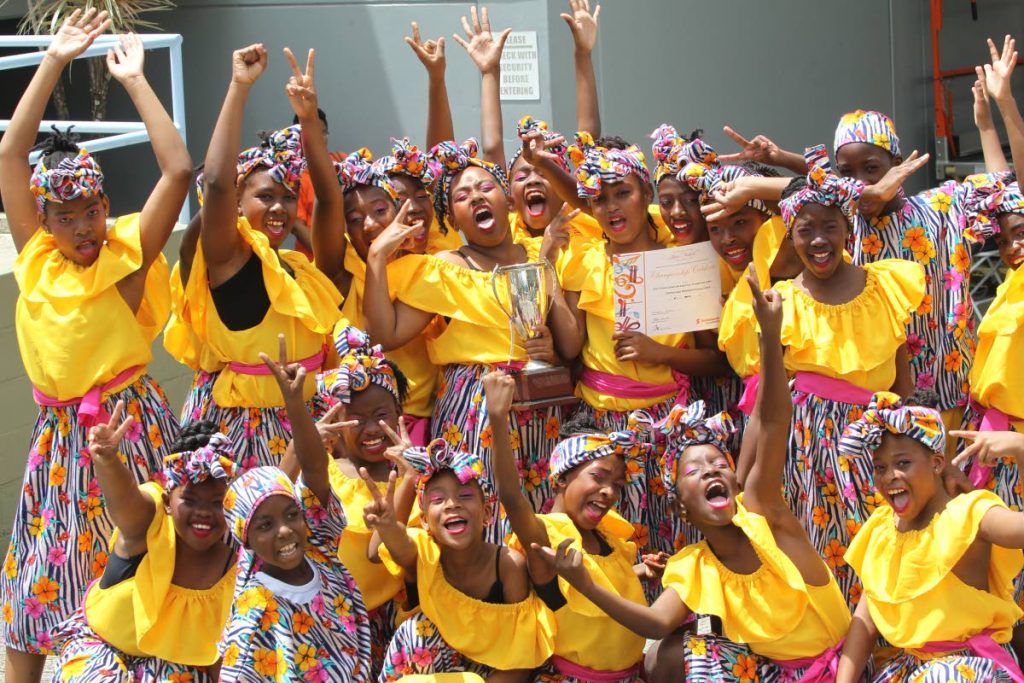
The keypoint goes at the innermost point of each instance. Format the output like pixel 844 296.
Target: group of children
pixel 826 489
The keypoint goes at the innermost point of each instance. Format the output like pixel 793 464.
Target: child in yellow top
pixel 243 290
pixel 162 602
pixel 937 570
pixel 78 280
pixel 756 569
pixel 589 472
pixel 478 612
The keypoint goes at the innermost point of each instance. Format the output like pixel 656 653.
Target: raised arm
pixel 733 196
pixel 997 82
pixel 764 151
pixel 309 447
pixel 485 51
pixel 160 212
pixel 439 111
pixel 329 428
pixel 74 37
pixel 390 323
pixel 991 148
pixel 999 526
pixel 381 516
pixel 187 246
pixel 222 243
pixel 130 509
pixel 535 152
pixel 657 621
pixel 583 25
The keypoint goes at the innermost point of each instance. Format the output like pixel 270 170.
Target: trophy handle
pixel 494 288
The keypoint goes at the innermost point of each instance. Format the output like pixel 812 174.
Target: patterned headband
pixel 71 178
pixel 527 125
pixel 685 426
pixel 451 160
pixel 886 414
pixel 983 197
pixel 872 127
pixel 361 366
pixel 438 457
pixel 576 450
pixel 358 170
pixel 248 491
pixel 708 179
pixel 823 187
pixel 598 165
pixel 673 152
pixel 281 154
pixel 407 159
pixel 215 460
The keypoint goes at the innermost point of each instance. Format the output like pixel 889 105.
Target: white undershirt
pixel 299 595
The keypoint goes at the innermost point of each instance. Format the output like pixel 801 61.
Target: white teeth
pixel 204 527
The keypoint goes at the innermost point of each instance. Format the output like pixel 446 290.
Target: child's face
pixel 277 533
pixel 907 474
pixel 479 207
pixel 421 209
pixel 454 513
pixel 368 210
pixel 1010 239
pixel 269 206
pixel 532 197
pixel 819 236
pixel 592 489
pixel 367 441
pixel 733 236
pixel 680 209
pixel 78 227
pixel 706 486
pixel 197 511
pixel 866 163
pixel 621 209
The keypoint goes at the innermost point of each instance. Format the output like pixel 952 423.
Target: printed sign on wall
pixel 520 67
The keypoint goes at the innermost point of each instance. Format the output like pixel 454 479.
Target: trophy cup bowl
pixel 522 291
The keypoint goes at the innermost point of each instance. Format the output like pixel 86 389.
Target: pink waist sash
pixel 830 388
pixel 572 670
pixel 992 420
pixel 312 364
pixel 418 429
pixel 624 387
pixel 980 645
pixel 90 406
pixel 749 397
pixel 820 669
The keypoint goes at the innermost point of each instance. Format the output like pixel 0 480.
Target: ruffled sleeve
pixel 1005 315
pixel 326 522
pixel 587 270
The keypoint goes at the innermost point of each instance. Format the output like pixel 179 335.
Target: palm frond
pixel 45 16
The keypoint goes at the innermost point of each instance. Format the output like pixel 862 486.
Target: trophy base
pixel 543 387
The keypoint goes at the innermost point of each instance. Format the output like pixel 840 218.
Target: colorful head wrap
pixel 576 450
pixel 361 366
pixel 872 127
pixel 528 124
pixel 673 152
pixel 248 491
pixel 71 178
pixel 823 187
pixel 686 426
pixel 983 197
pixel 451 160
pixel 215 460
pixel 281 154
pixel 407 159
pixel 707 179
pixel 358 169
pixel 437 457
pixel 886 414
pixel 597 165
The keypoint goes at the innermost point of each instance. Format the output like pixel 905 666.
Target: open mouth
pixel 275 227
pixel 87 247
pixel 736 256
pixel 484 218
pixel 595 511
pixel 680 227
pixel 200 529
pixel 899 498
pixel 456 526
pixel 375 445
pixel 288 552
pixel 617 223
pixel 536 203
pixel 717 495
pixel 821 259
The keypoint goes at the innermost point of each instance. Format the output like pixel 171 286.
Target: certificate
pixel 668 291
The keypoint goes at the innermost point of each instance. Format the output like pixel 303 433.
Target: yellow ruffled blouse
pixel 997 375
pixel 583 226
pixel 304 308
pixel 65 312
pixel 477 330
pixel 912 593
pixel 148 616
pixel 585 635
pixel 855 341
pixel 180 339
pixel 506 636
pixel 588 270
pixel 772 610
pixel 442 241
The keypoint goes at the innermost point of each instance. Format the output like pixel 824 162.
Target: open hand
pixel 301 87
pixel 651 566
pixel 381 511
pixel 988 448
pixel 730 197
pixel 566 561
pixel 875 197
pixel 248 64
pixel 999 71
pixel 125 60
pixel 290 377
pixel 982 107
pixel 583 24
pixel 767 307
pixel 105 438
pixel 332 424
pixel 500 391
pixel 483 48
pixel 77 33
pixel 430 53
